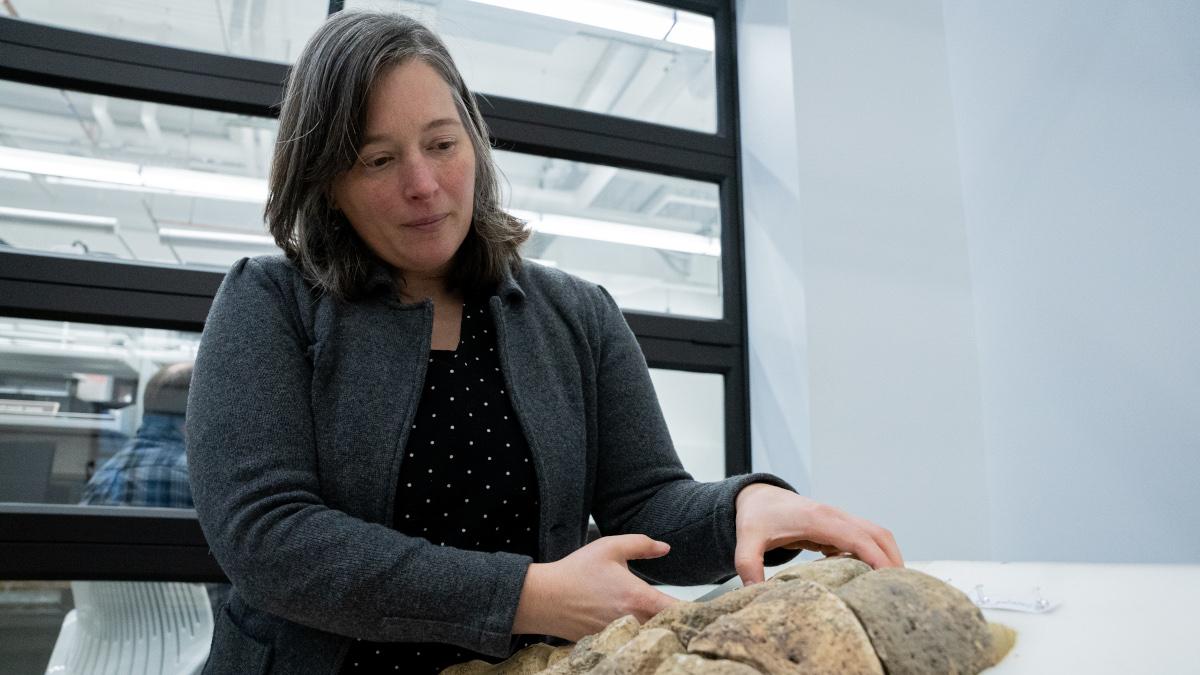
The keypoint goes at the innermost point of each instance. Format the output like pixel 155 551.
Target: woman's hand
pixel 770 517
pixel 585 591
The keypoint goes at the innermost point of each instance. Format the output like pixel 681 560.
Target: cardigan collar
pixel 381 281
pixel 508 289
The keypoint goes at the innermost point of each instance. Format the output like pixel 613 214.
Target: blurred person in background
pixel 151 469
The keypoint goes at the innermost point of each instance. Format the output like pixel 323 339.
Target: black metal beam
pixel 108 273
pixel 726 72
pixel 499 108
pixel 697 6
pixel 680 355
pixel 59 57
pixel 59 302
pixel 733 245
pixel 72 288
pixel 679 328
pixel 595 147
pixel 64 288
pixel 51 542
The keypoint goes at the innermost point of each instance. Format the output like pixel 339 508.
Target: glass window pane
pixel 119 178
pixel 618 57
pixel 31 613
pixel 74 396
pixel 271 30
pixel 694 407
pixel 47 624
pixel 653 241
pixel 116 178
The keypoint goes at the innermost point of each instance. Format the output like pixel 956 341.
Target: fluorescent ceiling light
pixel 58 217
pixel 16 175
pixel 204 184
pixel 623 16
pixel 618 233
pixel 67 166
pixel 97 185
pixel 215 236
pixel 126 175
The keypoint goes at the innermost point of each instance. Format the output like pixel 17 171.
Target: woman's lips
pixel 427 223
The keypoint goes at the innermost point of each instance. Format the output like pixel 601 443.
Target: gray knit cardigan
pixel 299 410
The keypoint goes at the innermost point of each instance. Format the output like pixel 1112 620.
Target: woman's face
pixel 411 194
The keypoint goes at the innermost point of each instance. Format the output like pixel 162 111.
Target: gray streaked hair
pixel 321 126
pixel 167 390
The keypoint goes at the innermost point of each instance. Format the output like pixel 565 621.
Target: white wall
pixel 858 283
pixel 778 365
pixel 972 267
pixel 1079 137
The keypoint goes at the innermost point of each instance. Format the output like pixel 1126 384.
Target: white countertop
pixel 1109 618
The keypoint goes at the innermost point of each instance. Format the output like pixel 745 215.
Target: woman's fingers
pixel 850 534
pixel 869 552
pixel 583 592
pixel 635 546
pixel 748 559
pixel 884 539
pixel 806 545
pixel 835 531
pixel 768 517
pixel 644 600
pixel 655 602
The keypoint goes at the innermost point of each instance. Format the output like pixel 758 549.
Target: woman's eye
pixel 445 145
pixel 377 162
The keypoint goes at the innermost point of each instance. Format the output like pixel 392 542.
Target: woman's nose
pixel 420 180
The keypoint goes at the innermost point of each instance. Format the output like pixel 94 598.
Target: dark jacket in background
pixel 300 407
pixel 151 470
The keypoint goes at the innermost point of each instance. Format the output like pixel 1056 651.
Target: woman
pixel 398 430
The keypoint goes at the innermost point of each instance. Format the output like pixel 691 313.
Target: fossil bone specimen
pixel 828 616
pixel 919 624
pixel 796 627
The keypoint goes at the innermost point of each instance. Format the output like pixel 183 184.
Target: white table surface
pixel 1109 618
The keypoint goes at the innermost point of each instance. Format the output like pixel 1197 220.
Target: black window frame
pixel 74 542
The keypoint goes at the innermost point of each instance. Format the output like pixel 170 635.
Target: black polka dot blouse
pixel 467 480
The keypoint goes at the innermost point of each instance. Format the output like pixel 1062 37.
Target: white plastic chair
pixel 134 627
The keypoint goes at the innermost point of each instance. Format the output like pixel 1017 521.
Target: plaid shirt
pixel 151 470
